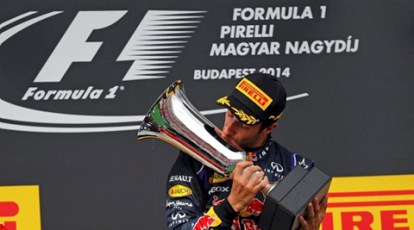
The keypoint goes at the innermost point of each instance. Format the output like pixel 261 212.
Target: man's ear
pixel 269 128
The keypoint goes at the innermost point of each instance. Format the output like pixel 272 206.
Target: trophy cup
pixel 173 119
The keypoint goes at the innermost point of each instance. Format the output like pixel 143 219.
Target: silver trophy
pixel 173 119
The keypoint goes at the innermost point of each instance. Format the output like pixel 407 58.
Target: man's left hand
pixel 314 214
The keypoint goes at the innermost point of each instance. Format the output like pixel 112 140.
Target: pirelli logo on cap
pixel 179 191
pixel 254 93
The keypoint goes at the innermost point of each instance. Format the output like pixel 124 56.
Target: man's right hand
pixel 248 180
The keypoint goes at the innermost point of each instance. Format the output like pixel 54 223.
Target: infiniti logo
pixel 178 215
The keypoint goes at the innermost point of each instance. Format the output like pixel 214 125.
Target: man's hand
pixel 314 214
pixel 248 180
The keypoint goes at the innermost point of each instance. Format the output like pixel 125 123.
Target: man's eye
pixel 244 126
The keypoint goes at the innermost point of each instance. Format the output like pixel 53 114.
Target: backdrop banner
pixel 77 77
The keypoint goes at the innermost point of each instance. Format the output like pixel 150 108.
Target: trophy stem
pixel 269 187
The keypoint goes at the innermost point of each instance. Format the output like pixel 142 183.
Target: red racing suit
pixel 196 195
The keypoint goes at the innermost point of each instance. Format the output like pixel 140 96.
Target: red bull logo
pixel 254 208
pixel 204 223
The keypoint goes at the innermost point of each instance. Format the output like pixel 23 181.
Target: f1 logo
pixel 73 46
pixel 155 43
pixel 8 209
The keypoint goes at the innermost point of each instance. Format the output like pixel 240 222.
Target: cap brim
pixel 240 111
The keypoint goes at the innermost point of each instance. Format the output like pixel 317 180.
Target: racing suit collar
pixel 259 153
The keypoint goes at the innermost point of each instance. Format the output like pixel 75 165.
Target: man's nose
pixel 229 127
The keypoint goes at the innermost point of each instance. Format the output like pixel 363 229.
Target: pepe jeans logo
pixel 152 50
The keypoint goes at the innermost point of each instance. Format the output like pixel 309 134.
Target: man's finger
pixel 241 166
pixel 303 223
pixel 250 170
pixel 310 212
pixel 316 205
pixel 324 203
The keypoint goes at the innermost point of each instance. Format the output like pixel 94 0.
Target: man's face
pixel 246 136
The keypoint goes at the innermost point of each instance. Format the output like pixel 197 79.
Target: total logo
pixel 153 48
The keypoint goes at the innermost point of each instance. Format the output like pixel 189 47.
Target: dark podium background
pixel 356 120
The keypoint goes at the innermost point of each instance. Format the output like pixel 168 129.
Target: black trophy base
pixel 290 197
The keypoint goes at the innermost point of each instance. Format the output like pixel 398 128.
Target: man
pixel 207 200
